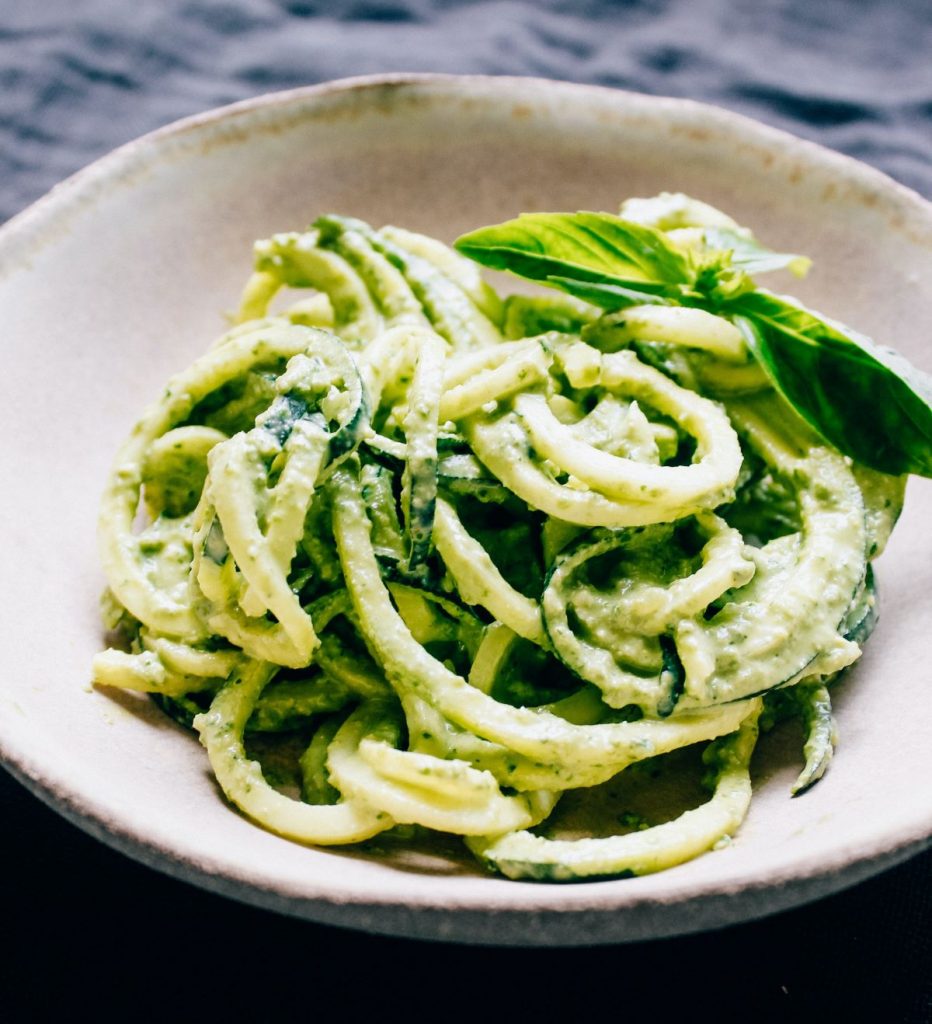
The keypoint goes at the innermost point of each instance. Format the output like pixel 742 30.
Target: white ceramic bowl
pixel 120 277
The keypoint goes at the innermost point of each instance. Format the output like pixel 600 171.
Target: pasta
pixel 471 553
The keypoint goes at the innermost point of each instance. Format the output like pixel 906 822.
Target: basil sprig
pixel 867 401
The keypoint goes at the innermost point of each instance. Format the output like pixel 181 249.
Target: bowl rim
pixel 419 915
pixel 23 222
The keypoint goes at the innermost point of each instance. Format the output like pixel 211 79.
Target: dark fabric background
pixel 97 937
pixel 78 77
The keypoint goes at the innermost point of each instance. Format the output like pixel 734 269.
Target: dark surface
pixel 78 77
pixel 97 937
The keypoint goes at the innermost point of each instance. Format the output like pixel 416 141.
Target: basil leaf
pixel 868 402
pixel 749 255
pixel 583 246
pixel 607 296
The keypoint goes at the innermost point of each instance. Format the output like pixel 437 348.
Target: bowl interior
pixel 122 276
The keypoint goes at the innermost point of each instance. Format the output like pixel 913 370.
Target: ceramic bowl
pixel 121 276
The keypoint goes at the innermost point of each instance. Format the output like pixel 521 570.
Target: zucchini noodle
pixel 470 555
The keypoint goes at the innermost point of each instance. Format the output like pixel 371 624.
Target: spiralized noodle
pixel 474 553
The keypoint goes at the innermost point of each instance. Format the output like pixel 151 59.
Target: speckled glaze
pixel 121 276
